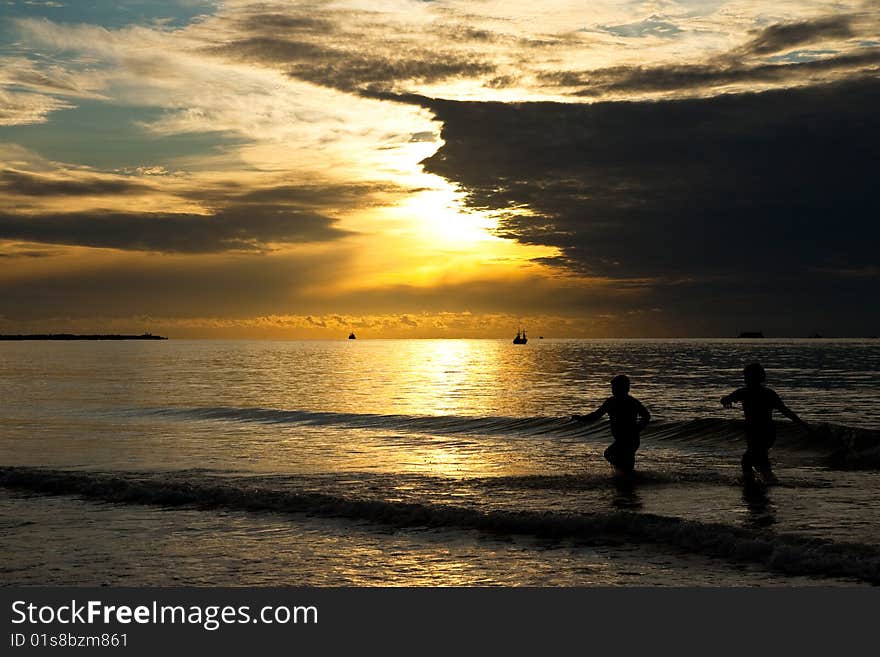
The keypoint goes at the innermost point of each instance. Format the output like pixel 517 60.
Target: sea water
pixel 429 462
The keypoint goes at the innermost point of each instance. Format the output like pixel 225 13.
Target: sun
pixel 440 217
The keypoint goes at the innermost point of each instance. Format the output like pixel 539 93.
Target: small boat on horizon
pixel 520 337
pixel 352 336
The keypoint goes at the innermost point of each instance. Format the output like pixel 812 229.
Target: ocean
pixel 429 463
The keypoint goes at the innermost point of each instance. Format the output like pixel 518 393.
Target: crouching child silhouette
pixel 758 404
pixel 628 417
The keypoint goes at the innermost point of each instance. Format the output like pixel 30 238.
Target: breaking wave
pixel 788 553
pixel 440 424
pixel 845 447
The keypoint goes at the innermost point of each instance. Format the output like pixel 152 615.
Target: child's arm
pixel 644 417
pixel 728 400
pixel 790 414
pixel 591 417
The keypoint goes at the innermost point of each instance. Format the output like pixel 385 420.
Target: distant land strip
pixel 71 336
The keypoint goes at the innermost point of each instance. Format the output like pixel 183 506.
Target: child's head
pixel 754 374
pixel 620 385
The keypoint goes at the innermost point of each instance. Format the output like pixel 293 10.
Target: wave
pixel 439 424
pixel 788 553
pixel 845 447
pixel 639 479
pixel 854 449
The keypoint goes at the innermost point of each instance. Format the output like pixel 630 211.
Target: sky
pixel 448 168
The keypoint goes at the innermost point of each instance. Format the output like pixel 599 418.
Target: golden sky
pixel 299 170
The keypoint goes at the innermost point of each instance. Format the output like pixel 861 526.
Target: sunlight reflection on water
pixel 479 425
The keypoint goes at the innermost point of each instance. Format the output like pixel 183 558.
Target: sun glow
pixel 431 236
pixel 440 217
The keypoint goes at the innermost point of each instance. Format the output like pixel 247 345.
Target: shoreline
pixel 71 336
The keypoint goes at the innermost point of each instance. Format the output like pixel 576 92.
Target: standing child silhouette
pixel 628 417
pixel 758 403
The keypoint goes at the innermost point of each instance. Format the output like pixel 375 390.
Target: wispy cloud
pixel 20 108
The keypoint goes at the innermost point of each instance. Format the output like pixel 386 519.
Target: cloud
pixel 49 78
pixel 288 103
pixel 236 228
pixel 448 50
pixel 743 67
pixel 743 194
pixel 279 22
pixel 350 48
pixel 783 36
pixel 354 67
pixel 458 49
pixel 30 184
pixel 324 196
pixel 723 71
pixel 176 213
pixel 22 108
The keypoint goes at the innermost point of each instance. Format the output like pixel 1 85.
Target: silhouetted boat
pixel 520 337
pixel 752 334
pixel 352 336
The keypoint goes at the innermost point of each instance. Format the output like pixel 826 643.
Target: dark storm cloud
pixel 244 228
pixel 29 184
pixel 783 36
pixel 737 195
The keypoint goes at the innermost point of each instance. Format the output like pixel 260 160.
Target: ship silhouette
pixel 520 337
